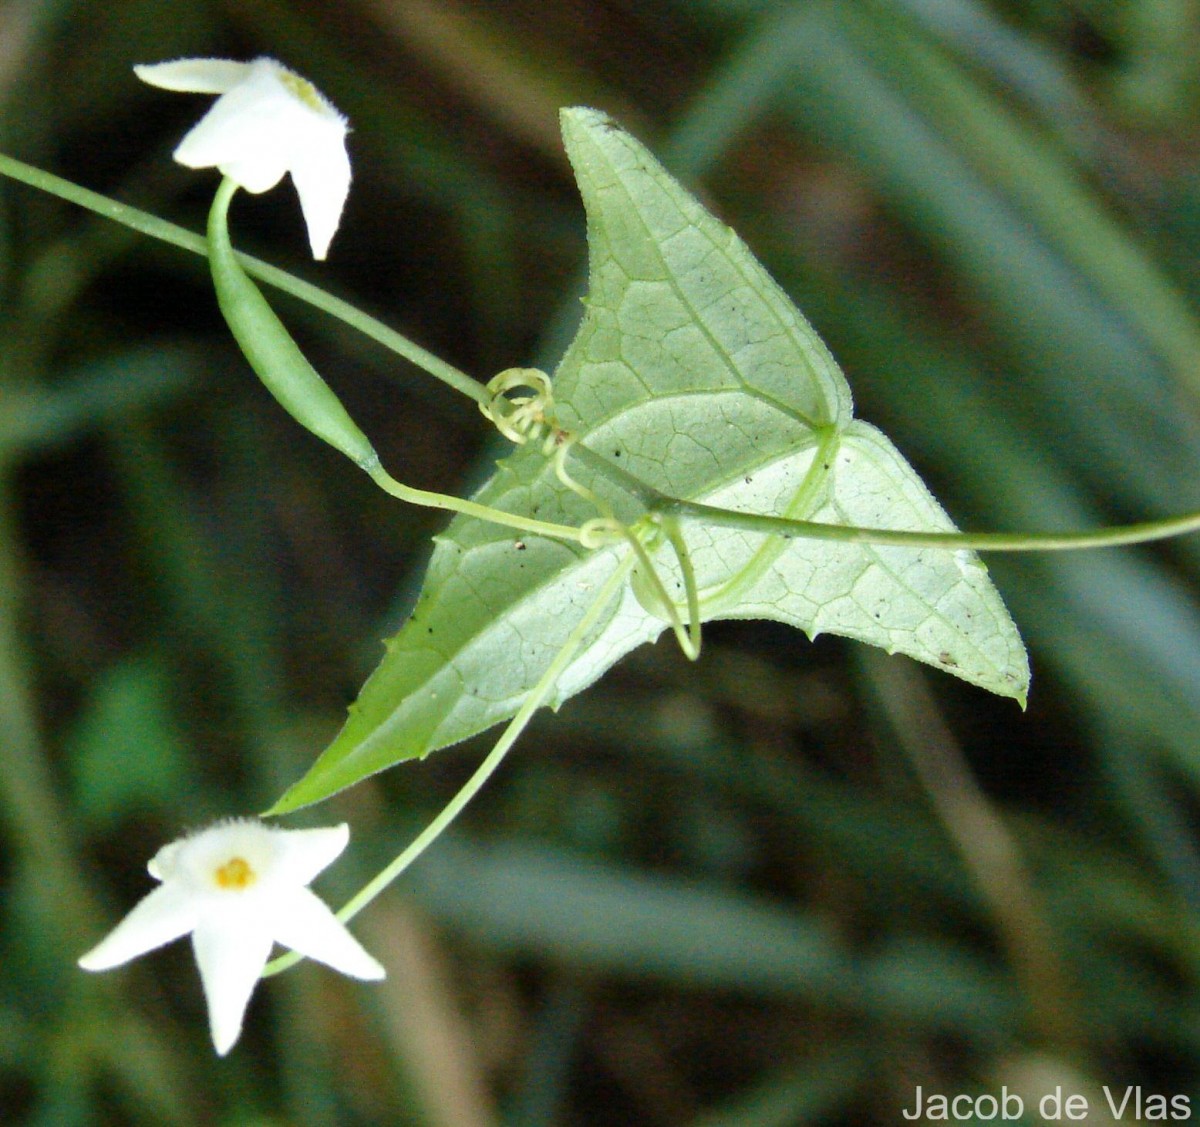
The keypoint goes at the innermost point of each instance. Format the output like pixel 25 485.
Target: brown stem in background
pixel 987 848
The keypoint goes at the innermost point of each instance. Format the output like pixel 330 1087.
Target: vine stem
pixel 654 501
pixel 1142 532
pixel 303 393
pixel 487 768
pixel 181 237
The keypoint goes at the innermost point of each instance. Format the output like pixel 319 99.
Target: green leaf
pixel 693 372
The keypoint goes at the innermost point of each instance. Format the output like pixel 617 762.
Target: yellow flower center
pixel 236 874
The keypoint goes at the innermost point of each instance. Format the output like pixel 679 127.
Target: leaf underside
pixel 694 372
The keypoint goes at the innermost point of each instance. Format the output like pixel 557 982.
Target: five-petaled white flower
pixel 238 887
pixel 267 121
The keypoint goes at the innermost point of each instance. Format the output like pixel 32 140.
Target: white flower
pixel 267 121
pixel 238 887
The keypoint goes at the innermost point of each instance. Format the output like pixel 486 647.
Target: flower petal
pixel 231 953
pixel 301 854
pixel 165 914
pixel 248 133
pixel 267 121
pixel 162 865
pixel 321 174
pixel 304 923
pixel 193 76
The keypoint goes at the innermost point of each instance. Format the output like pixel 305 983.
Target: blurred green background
pixel 783 886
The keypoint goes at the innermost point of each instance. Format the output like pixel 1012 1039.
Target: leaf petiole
pixel 652 592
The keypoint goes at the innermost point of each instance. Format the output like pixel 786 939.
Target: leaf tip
pixel 1021 695
pixel 580 124
pixel 299 795
pixel 572 116
pixel 280 806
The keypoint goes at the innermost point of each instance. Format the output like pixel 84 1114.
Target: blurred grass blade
pixel 853 91
pixel 33 419
pixel 1026 167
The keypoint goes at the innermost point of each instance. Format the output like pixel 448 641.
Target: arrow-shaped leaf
pixel 693 372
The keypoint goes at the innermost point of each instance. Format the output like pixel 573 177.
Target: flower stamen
pixel 305 91
pixel 236 874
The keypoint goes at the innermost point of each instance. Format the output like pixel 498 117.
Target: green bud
pixel 270 349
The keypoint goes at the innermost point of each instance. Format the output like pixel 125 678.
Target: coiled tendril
pixel 523 418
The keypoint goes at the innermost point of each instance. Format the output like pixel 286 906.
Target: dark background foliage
pixel 782 886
